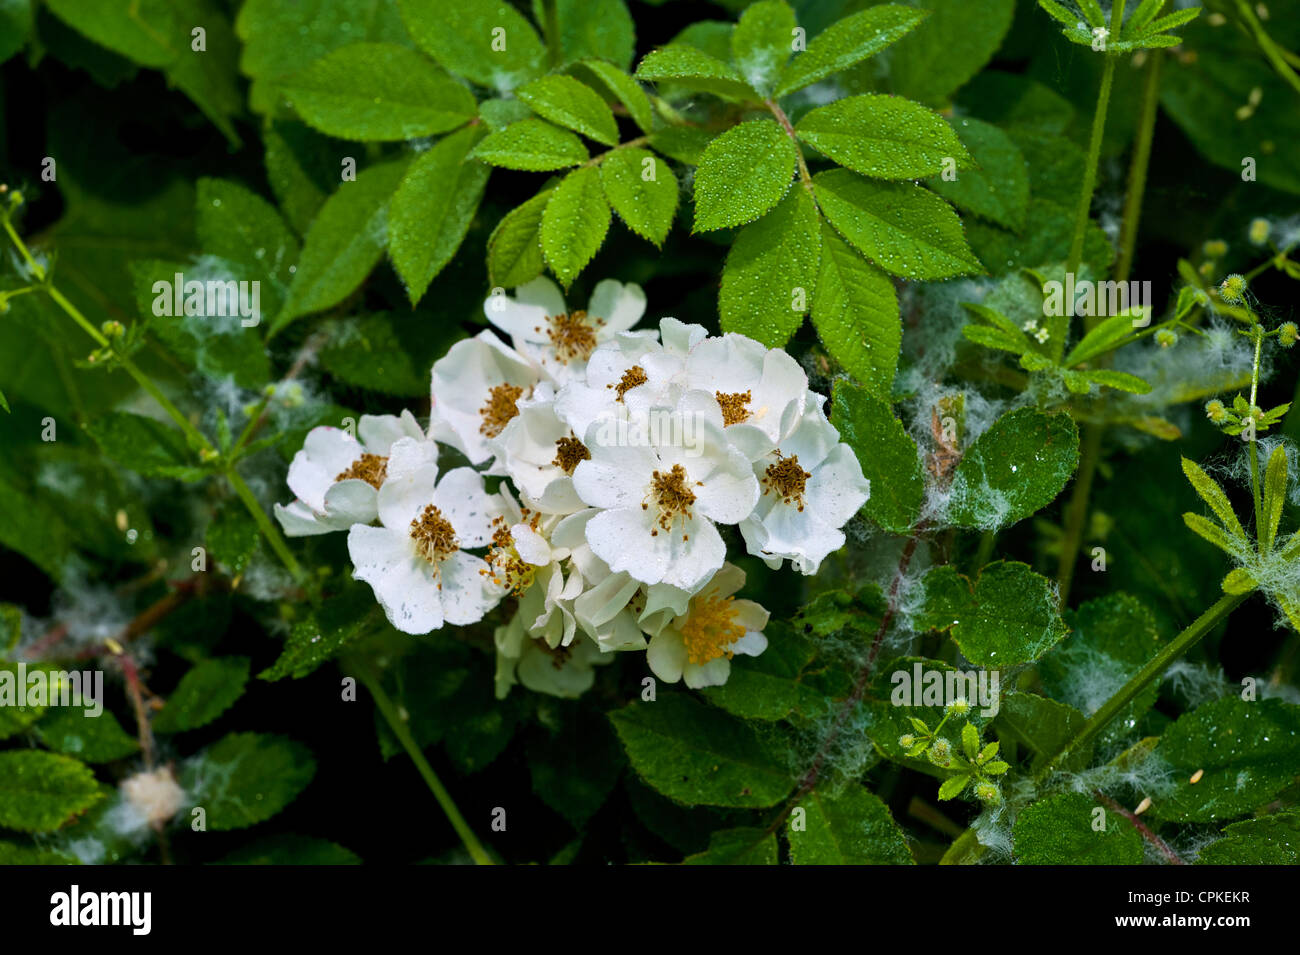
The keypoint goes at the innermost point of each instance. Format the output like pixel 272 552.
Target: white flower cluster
pixel 626 449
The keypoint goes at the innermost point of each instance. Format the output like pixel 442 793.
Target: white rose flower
pixel 555 339
pixel 661 486
pixel 698 645
pixel 476 391
pixel 415 561
pixel 812 484
pixel 539 453
pixel 564 671
pixel 336 477
pixel 755 387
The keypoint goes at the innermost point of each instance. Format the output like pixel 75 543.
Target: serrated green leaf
pixel 1269 840
pixel 532 145
pixel 1043 725
pixel 433 208
pixel 1209 491
pixel 39 792
pixel 94 739
pixel 1011 615
pixel 849 828
pixel 744 846
pixel 628 91
pixel 592 28
pixel 697 754
pixel 855 312
pixel 236 224
pixel 849 41
pixel 574 768
pixel 743 174
pixel 573 104
pixel 1016 467
pixel 693 69
pixel 1248 751
pixel 378 92
pixel 488 42
pixel 771 272
pixel 344 244
pixel 515 246
pixel 646 205
pixel 145 445
pixel 1046 236
pixel 320 636
pixel 903 228
pixel 574 223
pixel 233 538
pixel 997 187
pixel 382 351
pixel 1100 339
pixel 1275 488
pixel 1059 830
pixel 1119 380
pixel 246 778
pixel 209 689
pixel 885 137
pixel 954 786
pixel 769 686
pixel 889 457
pixel 762 42
pixel 956 40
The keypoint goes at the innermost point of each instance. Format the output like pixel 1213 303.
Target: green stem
pixel 1254 452
pixel 264 524
pixel 1137 176
pixel 1076 511
pixel 1090 170
pixel 1269 48
pixel 398 726
pixel 1192 635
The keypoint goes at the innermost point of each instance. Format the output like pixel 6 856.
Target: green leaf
pixel 889 457
pixel 532 145
pixel 383 352
pixel 233 538
pixel 320 636
pixel 742 174
pixel 514 251
pixel 95 739
pixel 1013 469
pixel 13 854
pixel 1011 615
pixel 628 91
pixel 575 767
pixel 573 104
pixel 592 28
pixel 290 849
pixel 885 137
pixel 39 792
pixel 997 188
pixel 745 846
pixel 1275 486
pixel 1209 491
pixel 699 755
pixel 849 41
pixel 1270 840
pixel 956 40
pixel 771 272
pixel 1216 535
pixel 300 170
pixel 13 717
pixel 1100 339
pixel 379 92
pixel 1046 237
pixel 771 685
pixel 901 227
pixel 246 778
pixel 762 42
pixel 693 69
pixel 954 786
pixel 1043 725
pixel 345 242
pixel 1248 751
pixel 574 223
pixel 485 41
pixel 849 828
pixel 500 113
pixel 855 312
pixel 433 208
pixel 686 144
pixel 646 205
pixel 15 26
pixel 145 445
pixel 209 689
pixel 1059 830
pixel 239 225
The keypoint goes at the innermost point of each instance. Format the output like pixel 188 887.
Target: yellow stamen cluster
pixel 507 568
pixel 711 628
pixel 500 407
pixel 435 538
pixel 371 468
pixel 673 496
pixel 569 453
pixel 786 478
pixel 572 335
pixel 735 407
pixel 633 377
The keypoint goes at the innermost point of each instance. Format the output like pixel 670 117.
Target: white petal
pixel 666 656
pixel 467 506
pixel 326 453
pixel 299 520
pixel 379 432
pixel 409 485
pixel 621 306
pixel 466 593
pixel 403 584
pixel 351 502
pixel 750 645
pixel 531 545
pixel 837 490
pixel 713 673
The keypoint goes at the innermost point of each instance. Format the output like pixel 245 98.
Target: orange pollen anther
pixel 711 628
pixel 735 407
pixel 499 408
pixel 435 538
pixel 371 468
pixel 786 478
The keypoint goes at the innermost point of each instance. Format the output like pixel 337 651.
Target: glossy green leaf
pixel 531 145
pixel 742 174
pixel 574 223
pixel 848 41
pixel 643 191
pixel 885 137
pixel 889 457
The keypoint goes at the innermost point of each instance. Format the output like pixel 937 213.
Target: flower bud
pixel 1287 334
pixel 1259 230
pixel 940 753
pixel 1233 288
pixel 1166 338
pixel 1215 411
pixel 988 793
pixel 1215 248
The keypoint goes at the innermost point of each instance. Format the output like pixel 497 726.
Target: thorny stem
pixel 1161 846
pixel 399 728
